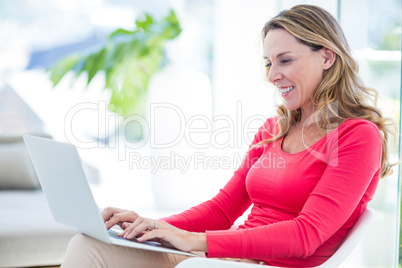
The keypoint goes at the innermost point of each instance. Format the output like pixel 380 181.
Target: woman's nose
pixel 274 74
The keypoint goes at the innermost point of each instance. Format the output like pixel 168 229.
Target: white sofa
pixel 28 235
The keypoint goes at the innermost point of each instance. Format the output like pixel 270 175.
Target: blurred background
pixel 212 74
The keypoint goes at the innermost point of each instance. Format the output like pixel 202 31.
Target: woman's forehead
pixel 278 42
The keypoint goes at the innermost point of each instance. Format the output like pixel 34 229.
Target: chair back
pixel 351 239
pixel 346 247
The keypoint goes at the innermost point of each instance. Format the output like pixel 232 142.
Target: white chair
pixel 335 260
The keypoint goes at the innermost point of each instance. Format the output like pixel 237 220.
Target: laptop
pixel 60 173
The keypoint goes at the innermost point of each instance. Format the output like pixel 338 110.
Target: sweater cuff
pixel 226 244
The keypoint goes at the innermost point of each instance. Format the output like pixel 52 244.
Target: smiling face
pixel 294 68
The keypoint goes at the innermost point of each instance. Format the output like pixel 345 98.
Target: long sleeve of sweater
pixel 303 204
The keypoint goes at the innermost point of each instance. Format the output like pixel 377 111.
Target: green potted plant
pixel 128 59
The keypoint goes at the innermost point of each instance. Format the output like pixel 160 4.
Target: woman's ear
pixel 329 58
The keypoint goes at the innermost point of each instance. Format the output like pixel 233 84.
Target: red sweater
pixel 303 204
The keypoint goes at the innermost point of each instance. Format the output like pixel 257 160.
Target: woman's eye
pixel 281 62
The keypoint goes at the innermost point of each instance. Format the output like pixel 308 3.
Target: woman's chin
pixel 290 106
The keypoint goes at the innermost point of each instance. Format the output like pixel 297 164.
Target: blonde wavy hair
pixel 316 28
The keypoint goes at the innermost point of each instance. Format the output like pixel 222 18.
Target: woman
pixel 331 141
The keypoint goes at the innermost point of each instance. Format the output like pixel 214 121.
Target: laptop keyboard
pixel 115 234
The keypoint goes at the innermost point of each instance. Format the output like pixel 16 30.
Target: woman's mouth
pixel 286 90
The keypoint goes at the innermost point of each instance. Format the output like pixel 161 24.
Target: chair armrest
pixel 214 263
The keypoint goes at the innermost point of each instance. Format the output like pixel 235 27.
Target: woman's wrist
pixel 200 240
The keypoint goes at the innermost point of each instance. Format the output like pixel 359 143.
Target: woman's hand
pixel 177 238
pixel 145 229
pixel 122 217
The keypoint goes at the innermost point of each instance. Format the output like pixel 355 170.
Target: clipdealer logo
pixel 231 132
pixel 197 134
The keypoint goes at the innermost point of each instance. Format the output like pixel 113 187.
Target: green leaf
pixel 129 58
pixel 58 71
pixel 95 63
pixel 120 31
pixel 144 22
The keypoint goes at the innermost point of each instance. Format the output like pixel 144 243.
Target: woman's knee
pixel 83 251
pixel 83 241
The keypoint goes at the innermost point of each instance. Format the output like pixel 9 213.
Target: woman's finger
pixel 180 239
pixel 117 218
pixel 108 212
pixel 138 227
pixel 124 225
pixel 154 234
